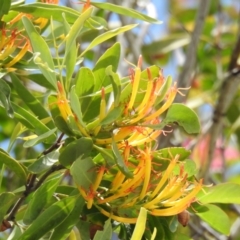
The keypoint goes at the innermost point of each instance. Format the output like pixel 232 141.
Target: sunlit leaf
pixel 216 218
pixel 181 115
pixel 140 225
pixel 33 103
pixel 107 35
pixel 39 139
pixel 43 57
pixel 125 11
pixel 221 193
pixel 44 162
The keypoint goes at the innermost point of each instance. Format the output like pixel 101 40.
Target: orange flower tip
pixel 139 61
pixel 103 93
pixel 60 87
pixel 149 74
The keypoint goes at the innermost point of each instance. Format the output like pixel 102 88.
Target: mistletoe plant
pixel 101 172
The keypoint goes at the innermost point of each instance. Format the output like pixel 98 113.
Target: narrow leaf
pixel 125 11
pixel 33 103
pixel 39 139
pixel 107 35
pixel 39 200
pixel 44 162
pixel 6 200
pixel 63 230
pixel 44 57
pixel 76 29
pixel 5 92
pixel 12 164
pixel 140 225
pixel 49 219
pixel 119 160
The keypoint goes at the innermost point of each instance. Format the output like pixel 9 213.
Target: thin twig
pixel 31 186
pixel 188 68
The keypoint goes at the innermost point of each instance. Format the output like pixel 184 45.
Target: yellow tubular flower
pixel 149 100
pixel 181 205
pixel 135 83
pixel 166 174
pixel 148 164
pixel 63 105
pixel 19 56
pixel 165 106
pixel 117 218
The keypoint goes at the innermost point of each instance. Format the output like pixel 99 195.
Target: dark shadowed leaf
pixel 50 218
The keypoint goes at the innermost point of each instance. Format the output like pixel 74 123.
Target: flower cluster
pixel 13 44
pixel 115 193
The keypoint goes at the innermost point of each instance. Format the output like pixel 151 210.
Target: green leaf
pixel 42 53
pixel 140 225
pixel 106 233
pixel 39 139
pixel 112 116
pixel 216 218
pixel 63 230
pixel 83 172
pixel 162 156
pixel 33 103
pixel 4 7
pixel 81 148
pixel 18 129
pixel 49 10
pixel 163 90
pixel 181 115
pixel 75 105
pixel 125 11
pixel 5 93
pixel 12 164
pixel 76 29
pixel 115 83
pixel 110 57
pixel 221 193
pixel 107 35
pixel 71 56
pixel 189 167
pixel 6 200
pixel 49 219
pixel 32 122
pixel 44 162
pixel 39 200
pixel 106 154
pixel 119 160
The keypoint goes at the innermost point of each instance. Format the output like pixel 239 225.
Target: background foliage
pixel 34 180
